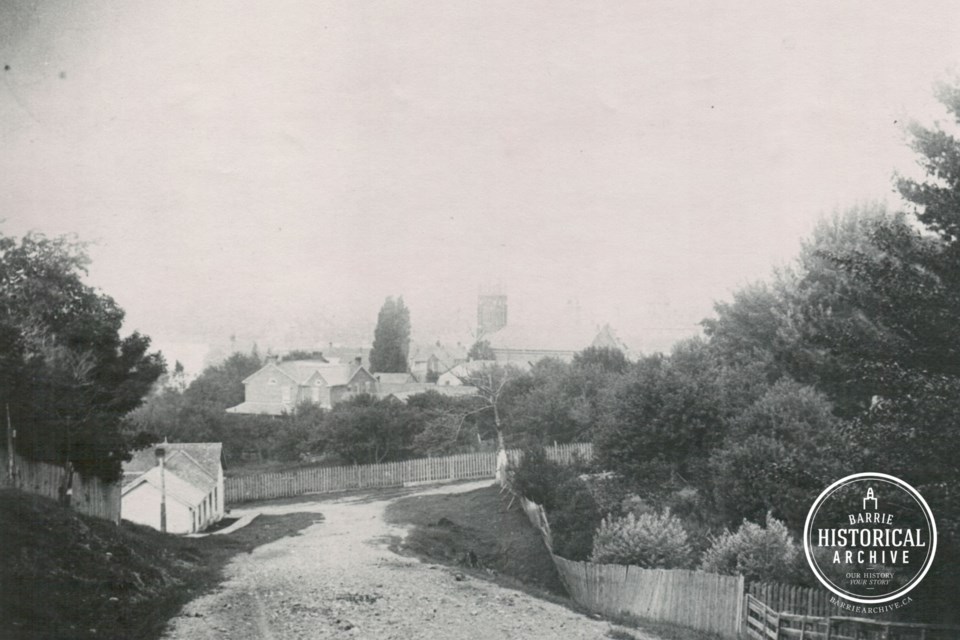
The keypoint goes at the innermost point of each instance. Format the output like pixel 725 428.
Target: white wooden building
pixel 190 483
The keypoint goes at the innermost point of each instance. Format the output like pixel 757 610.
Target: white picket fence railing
pixel 298 482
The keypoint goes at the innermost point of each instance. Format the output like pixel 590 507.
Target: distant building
pixel 455 376
pixel 428 360
pixel 491 313
pixel 526 344
pixel 405 393
pixel 190 483
pixel 278 387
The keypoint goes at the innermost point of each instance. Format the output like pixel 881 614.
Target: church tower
pixel 491 313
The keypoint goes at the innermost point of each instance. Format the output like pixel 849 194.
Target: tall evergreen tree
pixel 391 338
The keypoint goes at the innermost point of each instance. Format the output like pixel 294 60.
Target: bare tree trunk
pixel 501 475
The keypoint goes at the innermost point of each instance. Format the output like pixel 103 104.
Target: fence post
pixel 740 600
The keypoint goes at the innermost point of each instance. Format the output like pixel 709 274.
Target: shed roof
pixel 172 485
pixel 205 455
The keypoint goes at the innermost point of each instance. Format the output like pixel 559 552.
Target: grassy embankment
pixel 64 575
pixel 448 527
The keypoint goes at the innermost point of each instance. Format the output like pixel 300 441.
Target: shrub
pixel 571 509
pixel 608 491
pixel 573 519
pixel 648 540
pixel 756 552
pixel 537 478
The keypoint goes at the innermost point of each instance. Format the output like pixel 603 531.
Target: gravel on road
pixel 338 579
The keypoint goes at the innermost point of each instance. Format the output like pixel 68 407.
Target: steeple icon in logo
pixel 868 498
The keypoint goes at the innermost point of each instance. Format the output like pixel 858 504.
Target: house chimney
pixel 272 359
pixel 358 361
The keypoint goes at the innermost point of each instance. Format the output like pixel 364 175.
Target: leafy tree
pixel 778 455
pixel 222 385
pixel 481 350
pixel 663 419
pixel 68 376
pixel 606 359
pixel 365 430
pixel 391 338
pixel 560 402
pixel 450 424
pixel 198 414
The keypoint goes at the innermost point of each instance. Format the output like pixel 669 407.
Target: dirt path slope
pixel 339 580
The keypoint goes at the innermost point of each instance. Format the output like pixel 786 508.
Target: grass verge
pixel 448 528
pixel 64 575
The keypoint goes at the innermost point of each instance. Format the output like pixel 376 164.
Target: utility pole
pixel 10 436
pixel 161 454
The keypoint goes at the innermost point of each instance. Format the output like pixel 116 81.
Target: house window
pixel 285 394
pixel 273 381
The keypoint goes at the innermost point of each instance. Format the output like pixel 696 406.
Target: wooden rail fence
pixel 298 482
pixel 90 496
pixel 786 598
pixel 765 623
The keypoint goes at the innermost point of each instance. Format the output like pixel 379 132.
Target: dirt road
pixel 339 580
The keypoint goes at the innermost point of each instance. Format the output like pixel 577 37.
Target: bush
pixel 573 519
pixel 610 492
pixel 649 541
pixel 571 508
pixel 756 552
pixel 537 478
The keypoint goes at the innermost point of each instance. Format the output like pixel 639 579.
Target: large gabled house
pixel 278 387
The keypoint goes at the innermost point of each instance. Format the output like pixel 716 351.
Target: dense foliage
pixel 67 377
pixel 845 360
pixel 758 553
pixel 650 540
pixel 570 506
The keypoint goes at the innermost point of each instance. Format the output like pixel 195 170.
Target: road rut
pixel 338 579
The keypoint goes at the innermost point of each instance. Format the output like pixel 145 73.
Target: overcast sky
pixel 241 165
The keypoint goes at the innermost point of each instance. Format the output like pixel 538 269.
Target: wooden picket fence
pixel 705 601
pixel 90 496
pixel 298 482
